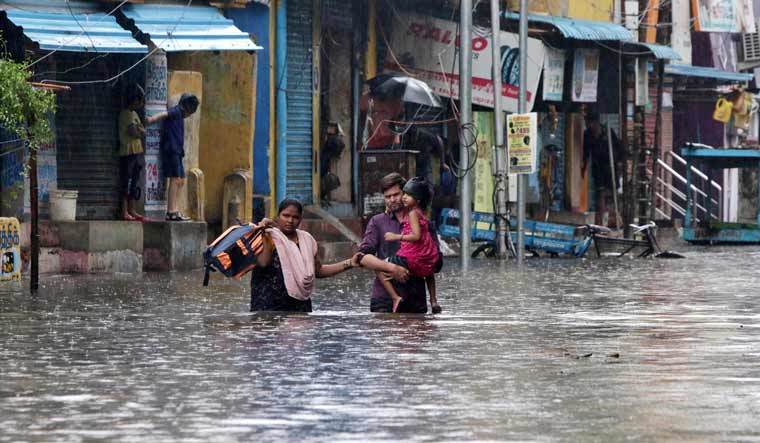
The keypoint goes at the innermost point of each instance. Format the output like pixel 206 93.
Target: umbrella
pixel 405 88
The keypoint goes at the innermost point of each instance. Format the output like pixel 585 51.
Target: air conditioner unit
pixel 751 47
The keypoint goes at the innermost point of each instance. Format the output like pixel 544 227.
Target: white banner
pixel 426 47
pixel 554 74
pixel 585 75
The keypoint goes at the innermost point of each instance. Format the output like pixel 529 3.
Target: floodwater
pixel 564 350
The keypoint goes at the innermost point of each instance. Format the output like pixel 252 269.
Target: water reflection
pixel 572 350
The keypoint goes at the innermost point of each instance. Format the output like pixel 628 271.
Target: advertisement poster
pixel 426 47
pixel 155 187
pixel 585 75
pixel 715 15
pixel 554 74
pixel 522 132
pixel 10 249
pixel 483 169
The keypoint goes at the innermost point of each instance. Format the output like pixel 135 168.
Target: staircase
pixel 337 238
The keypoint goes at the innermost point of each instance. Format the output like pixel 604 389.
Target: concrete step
pixel 325 232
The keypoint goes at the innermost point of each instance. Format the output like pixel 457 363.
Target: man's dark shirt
pixel 373 242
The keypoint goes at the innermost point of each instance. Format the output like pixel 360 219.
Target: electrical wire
pixel 68 5
pixel 154 50
pixel 75 37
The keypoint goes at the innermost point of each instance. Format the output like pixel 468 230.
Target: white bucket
pixel 63 205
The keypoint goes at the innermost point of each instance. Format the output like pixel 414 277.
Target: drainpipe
pixel 356 90
pixel 282 98
pixel 272 148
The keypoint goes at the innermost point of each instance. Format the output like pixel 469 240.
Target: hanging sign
pixel 554 74
pixel 427 48
pixel 585 75
pixel 522 130
pixel 714 15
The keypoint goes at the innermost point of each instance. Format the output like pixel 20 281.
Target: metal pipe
pixel 465 120
pixel 356 84
pixel 34 268
pixel 282 98
pixel 500 157
pixel 522 179
pixel 657 135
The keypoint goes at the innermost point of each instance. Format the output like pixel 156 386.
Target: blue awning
pixel 704 72
pixel 579 29
pixel 188 28
pixel 82 29
pixel 661 52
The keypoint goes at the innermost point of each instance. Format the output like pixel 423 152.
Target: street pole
pixel 500 165
pixel 522 179
pixel 465 116
pixel 34 269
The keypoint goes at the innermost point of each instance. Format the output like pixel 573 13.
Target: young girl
pixel 418 252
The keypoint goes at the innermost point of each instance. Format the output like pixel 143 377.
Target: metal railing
pixel 670 191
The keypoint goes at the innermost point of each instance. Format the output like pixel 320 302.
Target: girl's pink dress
pixel 421 255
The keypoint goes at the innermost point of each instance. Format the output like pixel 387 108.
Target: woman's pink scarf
pixel 297 262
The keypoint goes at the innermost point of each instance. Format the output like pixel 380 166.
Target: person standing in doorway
pixel 131 153
pixel 596 150
pixel 173 150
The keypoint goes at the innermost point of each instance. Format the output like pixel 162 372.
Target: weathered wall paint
pixel 227 123
pixel 254 19
pixel 599 10
pixel 192 82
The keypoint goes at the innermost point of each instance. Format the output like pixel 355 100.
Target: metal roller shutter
pixel 87 138
pixel 299 90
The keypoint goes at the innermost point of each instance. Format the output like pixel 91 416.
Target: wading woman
pixel 283 279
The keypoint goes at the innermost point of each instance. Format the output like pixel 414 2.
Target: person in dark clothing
pixel 173 150
pixel 596 150
pixel 429 144
pixel 412 289
pixel 269 289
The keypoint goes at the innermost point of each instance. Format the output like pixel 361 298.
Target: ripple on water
pixel 563 349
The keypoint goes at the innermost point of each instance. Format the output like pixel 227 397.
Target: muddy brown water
pixel 563 350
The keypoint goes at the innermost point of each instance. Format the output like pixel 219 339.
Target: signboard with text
pixel 585 75
pixel 426 47
pixel 522 133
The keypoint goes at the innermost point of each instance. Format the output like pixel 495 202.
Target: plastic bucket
pixel 63 205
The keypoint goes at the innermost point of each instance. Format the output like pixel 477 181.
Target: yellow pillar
pixel 370 58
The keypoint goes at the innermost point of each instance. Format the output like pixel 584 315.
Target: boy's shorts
pixel 130 167
pixel 172 166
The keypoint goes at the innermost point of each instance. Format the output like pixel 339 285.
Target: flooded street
pixel 565 350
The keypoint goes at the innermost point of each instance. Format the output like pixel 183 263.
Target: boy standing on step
pixel 173 150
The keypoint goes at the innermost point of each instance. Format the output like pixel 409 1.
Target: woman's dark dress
pixel 268 291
